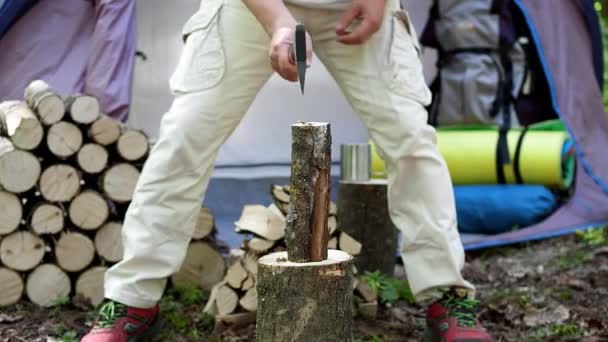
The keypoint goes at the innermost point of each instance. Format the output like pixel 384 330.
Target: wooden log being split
pixel 74 251
pixel 105 131
pixel 64 139
pixel 45 102
pixel 47 284
pixel 305 301
pixel 59 183
pixel 19 170
pixel 83 109
pixel 92 158
pixel 21 251
pixel 118 182
pixel 11 287
pixel 108 242
pixel 47 218
pixel 363 214
pixel 11 212
pixel 307 234
pixel 20 124
pixel 89 210
pixel 203 266
pixel 89 285
pixel 132 145
pixel 204 224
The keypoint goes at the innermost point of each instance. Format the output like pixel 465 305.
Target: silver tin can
pixel 355 163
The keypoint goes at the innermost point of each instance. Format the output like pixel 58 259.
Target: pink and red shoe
pixel 119 323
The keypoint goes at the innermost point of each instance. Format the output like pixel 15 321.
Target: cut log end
pixel 19 170
pixel 89 285
pixel 84 109
pixel 108 242
pixel 92 158
pixel 11 212
pixel 249 301
pixel 20 124
pixel 236 275
pixel 11 287
pixel 47 285
pixel 74 251
pixel 64 139
pixel 105 131
pixel 261 221
pixel 204 224
pixel 89 210
pixel 59 183
pixel 47 218
pixel 45 102
pixel 203 266
pixel 133 145
pixel 21 251
pixel 119 182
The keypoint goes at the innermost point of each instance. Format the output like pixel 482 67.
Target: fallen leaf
pixel 4 318
pixel 546 316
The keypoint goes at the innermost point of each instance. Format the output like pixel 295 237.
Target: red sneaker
pixel 119 323
pixel 453 319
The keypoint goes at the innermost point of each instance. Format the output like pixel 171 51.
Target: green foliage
pixel 593 236
pixel 572 258
pixel 388 289
pixel 566 330
pixel 604 28
pixel 189 295
pixel 69 336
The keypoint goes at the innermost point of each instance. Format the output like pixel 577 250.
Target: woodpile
pixel 67 176
pixel 233 300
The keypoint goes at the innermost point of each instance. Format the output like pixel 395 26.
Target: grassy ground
pixel 555 290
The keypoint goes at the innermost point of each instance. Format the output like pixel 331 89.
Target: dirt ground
pixel 554 290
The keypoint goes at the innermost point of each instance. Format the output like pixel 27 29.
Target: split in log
pixel 19 123
pixel 249 301
pixel 83 109
pixel 92 158
pixel 349 245
pixel 261 221
pixel 47 285
pixel 306 231
pixel 119 181
pixel 11 287
pixel 45 102
pixel 363 214
pixel 59 183
pixel 223 300
pixel 64 139
pixel 21 251
pixel 105 131
pixel 89 285
pixel 236 275
pixel 19 170
pixel 204 224
pixel 203 267
pixel 108 242
pixel 310 301
pixel 74 251
pixel 89 210
pixel 260 246
pixel 47 218
pixel 132 145
pixel 11 212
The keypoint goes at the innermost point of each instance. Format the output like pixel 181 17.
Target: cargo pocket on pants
pixel 202 63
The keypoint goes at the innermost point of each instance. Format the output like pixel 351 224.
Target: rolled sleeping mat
pixel 537 157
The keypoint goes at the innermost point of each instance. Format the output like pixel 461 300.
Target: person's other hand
pixel 280 56
pixel 369 12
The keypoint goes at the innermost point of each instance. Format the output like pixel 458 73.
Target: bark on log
pixel 45 102
pixel 19 170
pixel 83 109
pixel 89 210
pixel 363 214
pixel 203 266
pixel 59 183
pixel 47 284
pixel 21 251
pixel 118 182
pixel 47 218
pixel 11 212
pixel 132 145
pixel 204 224
pixel 64 139
pixel 20 124
pixel 74 251
pixel 307 233
pixel 11 287
pixel 89 285
pixel 105 131
pixel 92 158
pixel 305 301
pixel 108 242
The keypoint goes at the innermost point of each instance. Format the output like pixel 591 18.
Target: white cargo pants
pixel 224 64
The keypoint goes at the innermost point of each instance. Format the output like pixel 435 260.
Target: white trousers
pixel 223 66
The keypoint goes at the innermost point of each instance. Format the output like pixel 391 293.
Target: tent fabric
pixel 77 46
pixel 11 11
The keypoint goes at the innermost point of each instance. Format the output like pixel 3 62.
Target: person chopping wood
pixel 232 47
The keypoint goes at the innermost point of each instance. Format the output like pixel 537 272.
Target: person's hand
pixel 369 12
pixel 280 58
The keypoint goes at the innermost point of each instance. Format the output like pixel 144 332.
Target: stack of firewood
pixel 67 175
pixel 234 299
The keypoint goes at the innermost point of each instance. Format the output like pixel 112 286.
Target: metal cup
pixel 355 162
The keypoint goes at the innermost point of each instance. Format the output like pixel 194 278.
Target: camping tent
pixel 94 50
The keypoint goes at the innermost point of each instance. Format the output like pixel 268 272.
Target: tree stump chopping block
pixel 305 301
pixel 363 214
